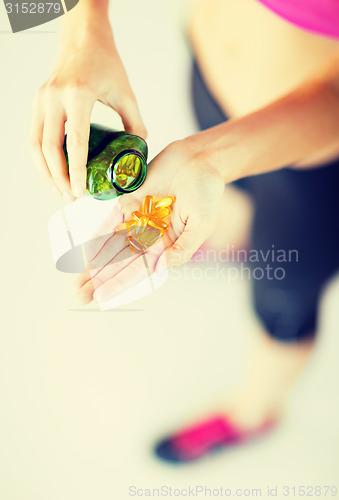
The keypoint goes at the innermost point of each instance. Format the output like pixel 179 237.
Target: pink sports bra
pixel 318 16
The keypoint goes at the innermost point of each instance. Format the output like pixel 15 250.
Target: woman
pixel 272 66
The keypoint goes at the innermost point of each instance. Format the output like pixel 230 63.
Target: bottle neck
pixel 128 171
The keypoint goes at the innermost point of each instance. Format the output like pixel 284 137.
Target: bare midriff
pixel 250 57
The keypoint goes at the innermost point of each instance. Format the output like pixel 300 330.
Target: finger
pixel 115 256
pixel 107 288
pixel 114 267
pixel 115 249
pixel 182 250
pixel 52 142
pixel 94 246
pixel 35 143
pixel 84 284
pixel 81 280
pixel 119 275
pixel 91 282
pixel 131 117
pixel 129 203
pixel 78 129
pixel 104 233
pixel 83 288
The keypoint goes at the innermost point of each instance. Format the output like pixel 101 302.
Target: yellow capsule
pixel 120 166
pixel 150 236
pixel 122 180
pixel 164 202
pixel 161 213
pixel 143 221
pixel 123 160
pixel 136 245
pixel 158 223
pixel 140 226
pixel 136 167
pixel 124 227
pixel 130 161
pixel 147 205
pixel 137 215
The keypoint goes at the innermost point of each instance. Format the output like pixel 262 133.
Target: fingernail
pixel 68 197
pixel 78 190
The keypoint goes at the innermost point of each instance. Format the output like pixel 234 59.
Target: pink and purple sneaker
pixel 205 437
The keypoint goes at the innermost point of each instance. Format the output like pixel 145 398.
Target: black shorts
pixel 296 215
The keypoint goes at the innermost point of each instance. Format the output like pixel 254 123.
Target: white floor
pixel 84 393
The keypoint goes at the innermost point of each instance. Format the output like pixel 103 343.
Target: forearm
pixel 280 134
pixel 86 10
pixel 88 17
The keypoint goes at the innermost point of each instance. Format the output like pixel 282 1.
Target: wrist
pixel 191 158
pixel 224 148
pixel 84 22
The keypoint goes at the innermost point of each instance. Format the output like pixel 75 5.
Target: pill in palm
pixel 158 223
pixel 162 212
pixel 147 224
pixel 124 227
pixel 164 202
pixel 147 205
pixel 140 226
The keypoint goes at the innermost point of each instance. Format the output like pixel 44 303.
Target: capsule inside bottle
pixel 127 169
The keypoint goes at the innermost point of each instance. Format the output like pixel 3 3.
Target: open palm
pixel 197 188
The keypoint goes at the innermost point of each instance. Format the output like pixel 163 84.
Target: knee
pixel 288 315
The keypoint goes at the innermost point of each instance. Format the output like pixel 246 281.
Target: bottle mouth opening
pixel 128 171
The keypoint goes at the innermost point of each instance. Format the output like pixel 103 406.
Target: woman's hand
pixel 88 69
pixel 198 189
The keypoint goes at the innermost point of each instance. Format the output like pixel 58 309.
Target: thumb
pixel 131 117
pixel 185 246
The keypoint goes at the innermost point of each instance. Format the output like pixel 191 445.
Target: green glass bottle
pixel 116 163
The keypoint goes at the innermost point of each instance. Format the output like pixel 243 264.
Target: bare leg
pixel 274 366
pixel 272 373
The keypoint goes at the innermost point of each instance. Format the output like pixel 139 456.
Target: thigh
pixel 296 232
